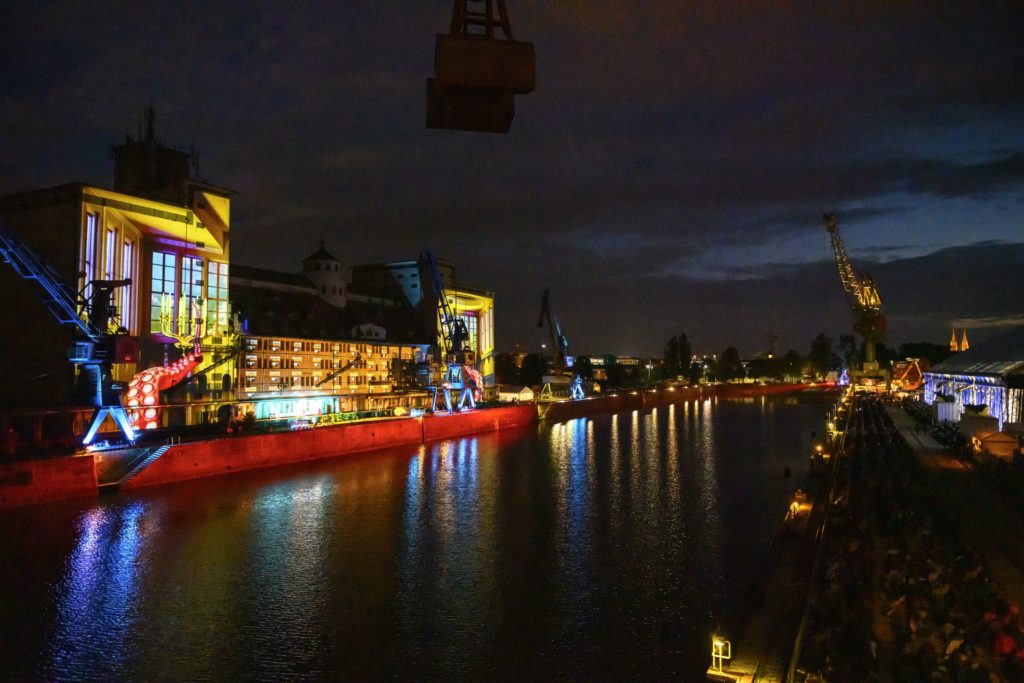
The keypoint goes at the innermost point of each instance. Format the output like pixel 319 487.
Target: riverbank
pixel 27 482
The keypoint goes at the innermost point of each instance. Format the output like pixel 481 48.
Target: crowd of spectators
pixel 898 595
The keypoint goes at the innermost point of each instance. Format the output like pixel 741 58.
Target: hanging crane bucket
pixel 473 61
pixel 473 109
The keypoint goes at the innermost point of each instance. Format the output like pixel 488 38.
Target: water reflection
pixel 557 552
pixel 570 450
pixel 96 606
pixel 707 489
pixel 286 557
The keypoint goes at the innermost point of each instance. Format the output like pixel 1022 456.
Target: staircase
pixel 130 466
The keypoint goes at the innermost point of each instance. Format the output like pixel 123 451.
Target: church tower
pixel 327 275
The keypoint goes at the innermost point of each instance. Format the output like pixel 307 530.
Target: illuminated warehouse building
pixel 990 373
pixel 274 343
pixel 302 354
pixel 166 231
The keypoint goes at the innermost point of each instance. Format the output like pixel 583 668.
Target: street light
pixel 721 649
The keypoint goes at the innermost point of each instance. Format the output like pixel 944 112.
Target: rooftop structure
pixel 990 373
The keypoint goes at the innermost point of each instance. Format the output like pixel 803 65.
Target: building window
pixel 109 253
pixel 162 282
pixel 89 252
pixel 217 297
pixel 127 294
pixel 471 327
pixel 192 277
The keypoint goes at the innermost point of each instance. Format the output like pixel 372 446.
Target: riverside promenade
pixel 775 600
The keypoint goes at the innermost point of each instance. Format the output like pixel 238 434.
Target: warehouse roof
pixel 1002 354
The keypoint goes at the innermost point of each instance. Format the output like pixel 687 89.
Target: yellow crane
pixel 861 294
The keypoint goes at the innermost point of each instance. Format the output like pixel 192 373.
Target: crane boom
pixel 90 316
pixel 861 293
pixel 457 358
pixel 454 335
pixel 358 360
pixel 559 344
pixel 861 290
pixel 62 302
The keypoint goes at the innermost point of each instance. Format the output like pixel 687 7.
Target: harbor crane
pixel 457 360
pixel 358 360
pixel 862 296
pixel 98 342
pixel 559 351
pixel 479 69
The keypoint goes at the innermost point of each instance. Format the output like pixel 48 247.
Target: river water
pixel 605 547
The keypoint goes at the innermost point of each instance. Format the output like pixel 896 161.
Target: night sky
pixel 668 175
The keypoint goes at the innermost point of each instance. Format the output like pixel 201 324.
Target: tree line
pixel 678 363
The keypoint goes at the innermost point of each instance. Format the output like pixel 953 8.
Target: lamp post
pixel 721 649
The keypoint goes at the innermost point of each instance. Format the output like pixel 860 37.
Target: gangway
pixel 126 465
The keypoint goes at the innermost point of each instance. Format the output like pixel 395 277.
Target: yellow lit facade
pixel 476 308
pixel 90 233
pixel 164 249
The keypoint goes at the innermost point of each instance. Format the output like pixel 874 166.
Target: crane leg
pixel 97 420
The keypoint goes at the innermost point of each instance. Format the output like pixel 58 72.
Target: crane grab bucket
pixel 478 62
pixel 476 73
pixel 481 111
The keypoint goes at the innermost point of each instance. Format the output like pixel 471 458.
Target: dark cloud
pixel 961 180
pixel 675 156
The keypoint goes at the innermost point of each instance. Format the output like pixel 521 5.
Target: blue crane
pixel 90 313
pixel 559 349
pixel 456 357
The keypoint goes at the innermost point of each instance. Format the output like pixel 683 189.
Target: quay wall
pixel 443 426
pixel 232 454
pixel 27 482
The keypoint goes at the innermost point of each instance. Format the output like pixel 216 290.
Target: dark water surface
pixel 557 551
